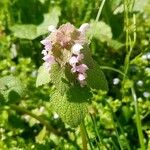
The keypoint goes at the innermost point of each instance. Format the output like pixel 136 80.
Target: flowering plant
pixel 69 66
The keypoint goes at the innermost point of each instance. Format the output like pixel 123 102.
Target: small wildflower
pixel 80 57
pixel 146 94
pixel 81 77
pixel 116 81
pixel 71 40
pixel 84 27
pixel 140 83
pixel 82 68
pixel 76 49
pixel 73 60
pixel 56 116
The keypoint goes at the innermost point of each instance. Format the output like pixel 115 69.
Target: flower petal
pixel 73 60
pixel 82 68
pixel 84 27
pixel 81 77
pixel 76 48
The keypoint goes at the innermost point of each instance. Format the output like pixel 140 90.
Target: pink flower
pixel 47 44
pixel 80 57
pixel 66 34
pixel 73 60
pixel 83 83
pixel 71 40
pixel 49 58
pixel 47 65
pixel 76 48
pixel 45 41
pixel 44 52
pixel 82 68
pixel 74 69
pixel 81 77
pixel 84 27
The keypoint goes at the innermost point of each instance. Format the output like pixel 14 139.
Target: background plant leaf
pixel 43 76
pixel 100 30
pixel 11 89
pixel 31 31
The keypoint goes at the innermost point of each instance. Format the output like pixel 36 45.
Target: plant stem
pixel 138 120
pixel 112 69
pixel 129 43
pixel 97 17
pixel 100 11
pixel 83 135
pixel 126 21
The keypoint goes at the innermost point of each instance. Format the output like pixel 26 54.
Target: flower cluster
pixel 64 45
pixel 77 66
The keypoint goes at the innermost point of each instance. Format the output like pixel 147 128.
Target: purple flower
pixel 80 57
pixel 73 60
pixel 84 27
pixel 76 48
pixel 47 44
pixel 66 41
pixel 81 77
pixel 82 68
pixel 44 52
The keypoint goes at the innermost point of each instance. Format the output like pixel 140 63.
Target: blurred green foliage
pixel 23 23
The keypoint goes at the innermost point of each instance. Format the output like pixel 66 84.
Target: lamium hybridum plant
pixel 69 66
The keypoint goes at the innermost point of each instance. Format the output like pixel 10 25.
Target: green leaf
pixel 71 111
pixel 61 78
pixel 79 94
pixel 43 76
pixel 31 31
pixel 51 18
pixel 95 77
pixel 24 31
pixel 100 30
pixel 11 89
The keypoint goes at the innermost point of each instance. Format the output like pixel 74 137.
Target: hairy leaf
pixel 95 77
pixel 71 111
pixel 43 76
pixel 61 78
